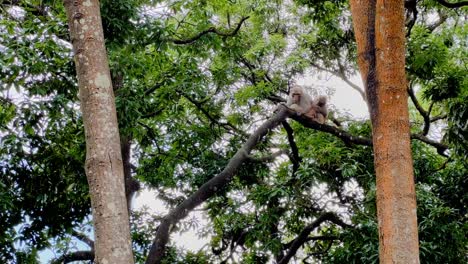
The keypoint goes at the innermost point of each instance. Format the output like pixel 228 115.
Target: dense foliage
pixel 192 80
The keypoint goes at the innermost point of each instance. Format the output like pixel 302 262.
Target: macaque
pixel 302 103
pixel 318 112
pixel 298 100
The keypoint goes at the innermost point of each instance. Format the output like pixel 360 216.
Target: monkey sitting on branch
pixel 302 103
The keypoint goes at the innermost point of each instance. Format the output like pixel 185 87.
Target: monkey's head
pixel 321 101
pixel 296 93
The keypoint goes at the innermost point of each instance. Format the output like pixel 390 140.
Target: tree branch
pixel 314 238
pixel 424 113
pixel 131 184
pixel 411 9
pixel 441 148
pixel 350 139
pixel 74 256
pixel 442 18
pixel 343 135
pixel 268 158
pixel 453 5
pixel 304 235
pixel 208 189
pixel 228 126
pixel 340 74
pixel 83 238
pixel 295 158
pixel 436 118
pixel 210 30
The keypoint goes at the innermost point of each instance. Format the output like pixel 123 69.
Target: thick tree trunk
pixel 380 36
pixel 103 166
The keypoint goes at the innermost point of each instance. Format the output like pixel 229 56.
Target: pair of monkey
pixel 302 103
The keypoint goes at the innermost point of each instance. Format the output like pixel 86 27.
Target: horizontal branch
pixel 436 118
pixel 74 256
pixel 453 5
pixel 358 140
pixel 343 135
pixel 441 148
pixel 210 30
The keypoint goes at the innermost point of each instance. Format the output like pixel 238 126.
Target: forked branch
pixel 304 235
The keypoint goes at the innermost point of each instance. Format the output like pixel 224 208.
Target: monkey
pixel 298 100
pixel 318 111
pixel 302 103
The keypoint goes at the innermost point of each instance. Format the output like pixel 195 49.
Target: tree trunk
pixel 103 166
pixel 380 36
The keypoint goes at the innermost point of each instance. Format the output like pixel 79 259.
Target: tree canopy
pixel 199 86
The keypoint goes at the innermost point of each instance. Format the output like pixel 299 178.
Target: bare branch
pixel 276 99
pixel 442 18
pixel 210 30
pixel 350 139
pixel 314 238
pixel 132 185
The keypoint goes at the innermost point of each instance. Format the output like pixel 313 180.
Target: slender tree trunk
pixel 103 166
pixel 380 36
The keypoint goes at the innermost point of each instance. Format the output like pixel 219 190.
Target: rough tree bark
pixel 104 169
pixel 380 36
